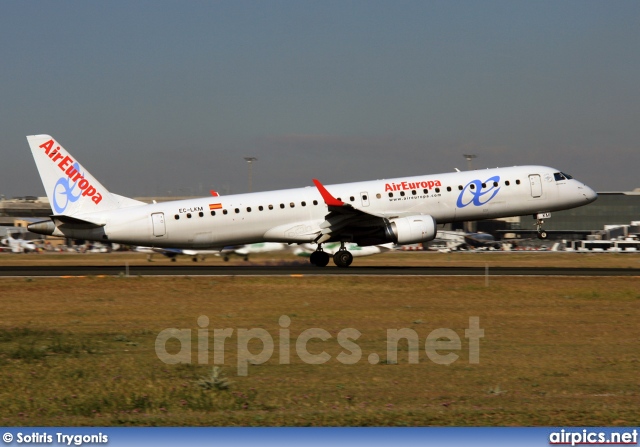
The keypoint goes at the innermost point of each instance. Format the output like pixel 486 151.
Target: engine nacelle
pixel 411 230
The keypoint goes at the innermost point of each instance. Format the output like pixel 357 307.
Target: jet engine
pixel 411 230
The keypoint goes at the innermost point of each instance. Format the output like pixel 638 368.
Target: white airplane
pixel 172 253
pixel 402 210
pixel 240 250
pixel 248 249
pixel 460 240
pixel 18 245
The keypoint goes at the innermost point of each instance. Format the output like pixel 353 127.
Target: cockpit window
pixel 559 176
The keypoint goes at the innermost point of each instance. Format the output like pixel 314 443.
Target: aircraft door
pixel 364 197
pixel 159 228
pixel 536 185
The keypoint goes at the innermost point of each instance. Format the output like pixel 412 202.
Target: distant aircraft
pixel 460 240
pixel 172 253
pixel 402 210
pixel 245 250
pixel 239 250
pixel 17 245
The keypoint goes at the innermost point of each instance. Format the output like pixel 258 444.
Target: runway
pixel 300 270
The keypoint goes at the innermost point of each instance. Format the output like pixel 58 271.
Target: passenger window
pixel 495 184
pixel 414 192
pixel 425 191
pixel 378 196
pixel 177 216
pixel 517 182
pixel 303 203
pixel 213 213
pixel 402 193
pixel 437 189
pixel 237 211
pixel 449 188
pixel 352 198
pixel 188 215
pixel 282 205
pixel 292 204
pixel 224 212
pixel 390 194
pixel 473 186
pixel 201 214
pixel 484 185
pixel 270 207
pixel 460 187
pixel 364 197
pixel 315 202
pixel 260 208
pixel 248 209
pixel 506 182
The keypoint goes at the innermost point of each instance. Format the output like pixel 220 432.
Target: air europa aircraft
pixel 402 211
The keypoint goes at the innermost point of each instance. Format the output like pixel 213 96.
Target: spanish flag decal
pixel 215 206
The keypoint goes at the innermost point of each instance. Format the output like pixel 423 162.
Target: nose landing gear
pixel 539 222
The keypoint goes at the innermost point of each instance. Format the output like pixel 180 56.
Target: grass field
pixel 556 351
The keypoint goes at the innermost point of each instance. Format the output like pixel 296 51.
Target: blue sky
pixel 166 97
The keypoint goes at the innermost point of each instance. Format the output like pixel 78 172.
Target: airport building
pixel 611 208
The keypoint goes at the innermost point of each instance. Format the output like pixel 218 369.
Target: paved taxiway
pixel 296 270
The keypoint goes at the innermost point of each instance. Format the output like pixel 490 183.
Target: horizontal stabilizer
pixel 85 223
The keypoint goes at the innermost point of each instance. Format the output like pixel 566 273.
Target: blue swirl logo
pixel 474 193
pixel 63 192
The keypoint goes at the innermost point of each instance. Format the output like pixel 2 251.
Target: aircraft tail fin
pixel 71 189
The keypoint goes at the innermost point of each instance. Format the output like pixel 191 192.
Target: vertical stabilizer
pixel 71 189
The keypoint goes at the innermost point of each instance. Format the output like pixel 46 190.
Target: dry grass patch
pixel 556 351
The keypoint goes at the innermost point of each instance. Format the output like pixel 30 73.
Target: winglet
pixel 326 195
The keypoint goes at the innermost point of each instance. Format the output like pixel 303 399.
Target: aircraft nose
pixel 589 193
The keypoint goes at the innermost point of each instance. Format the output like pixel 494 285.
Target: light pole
pixel 470 158
pixel 250 161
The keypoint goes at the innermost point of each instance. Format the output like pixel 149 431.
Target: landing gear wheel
pixel 542 234
pixel 343 258
pixel 319 258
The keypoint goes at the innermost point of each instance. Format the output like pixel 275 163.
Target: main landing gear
pixel 342 258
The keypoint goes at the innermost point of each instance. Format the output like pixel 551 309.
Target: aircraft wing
pixel 343 216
